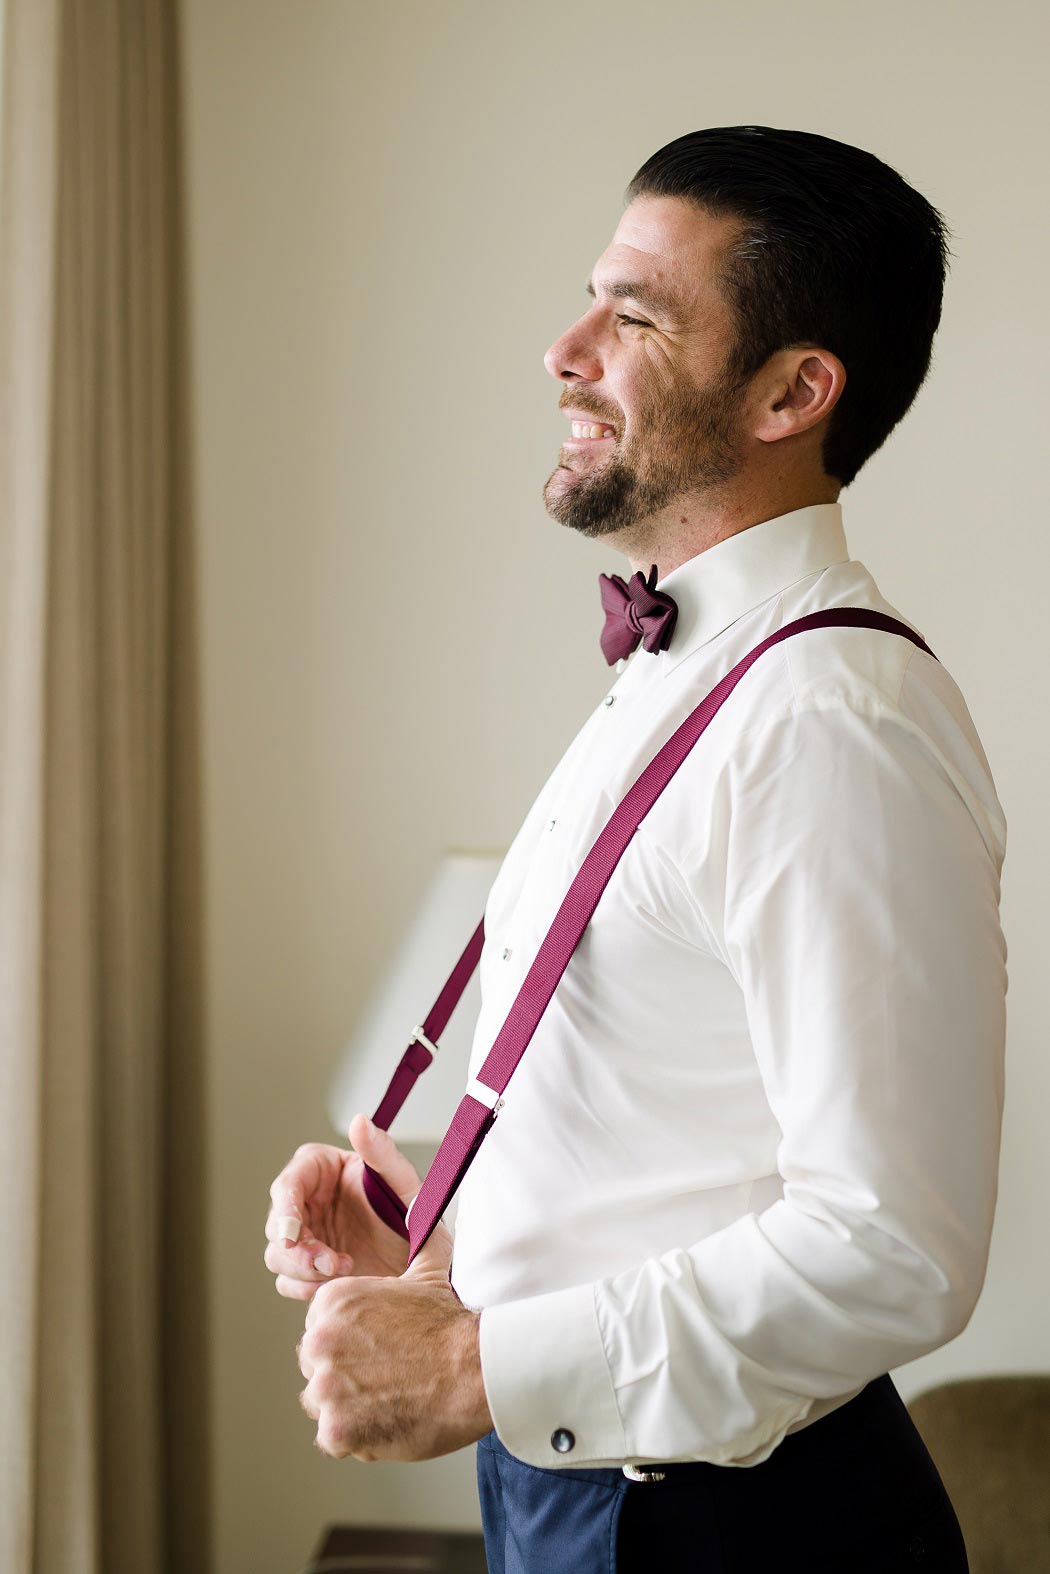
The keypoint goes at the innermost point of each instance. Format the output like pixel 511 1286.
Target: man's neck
pixel 690 529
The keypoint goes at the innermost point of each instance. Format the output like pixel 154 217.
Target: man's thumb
pixel 434 1257
pixel 382 1154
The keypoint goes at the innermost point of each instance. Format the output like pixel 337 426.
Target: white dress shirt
pixel 749 1160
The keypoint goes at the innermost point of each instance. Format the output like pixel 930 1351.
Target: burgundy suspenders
pixel 483 1099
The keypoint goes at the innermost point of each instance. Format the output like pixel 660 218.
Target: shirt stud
pixel 563 1440
pixel 610 699
pixel 505 953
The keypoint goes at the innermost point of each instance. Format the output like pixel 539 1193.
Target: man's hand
pixel 393 1367
pixel 320 1213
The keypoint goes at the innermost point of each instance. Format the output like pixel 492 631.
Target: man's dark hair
pixel 836 250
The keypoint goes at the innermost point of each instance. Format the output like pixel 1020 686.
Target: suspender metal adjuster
pixel 419 1037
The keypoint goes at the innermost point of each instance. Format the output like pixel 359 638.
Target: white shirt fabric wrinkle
pixel 749 1160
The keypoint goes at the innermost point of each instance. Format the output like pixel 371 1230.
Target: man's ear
pixel 799 388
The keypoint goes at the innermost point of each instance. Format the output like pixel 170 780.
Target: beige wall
pixel 394 208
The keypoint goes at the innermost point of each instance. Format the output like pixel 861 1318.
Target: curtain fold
pixel 104 1436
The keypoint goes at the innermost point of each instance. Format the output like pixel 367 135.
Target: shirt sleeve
pixel 858 905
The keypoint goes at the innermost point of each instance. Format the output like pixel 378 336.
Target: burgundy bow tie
pixel 635 610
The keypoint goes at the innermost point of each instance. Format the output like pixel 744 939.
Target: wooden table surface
pixel 378 1549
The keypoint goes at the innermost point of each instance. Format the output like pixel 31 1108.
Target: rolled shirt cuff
pixel 547 1381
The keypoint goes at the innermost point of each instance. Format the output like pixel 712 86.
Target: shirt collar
pixel 720 584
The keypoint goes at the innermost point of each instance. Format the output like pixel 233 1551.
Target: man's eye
pixel 637 320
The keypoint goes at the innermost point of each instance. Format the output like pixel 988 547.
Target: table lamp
pixel 444 921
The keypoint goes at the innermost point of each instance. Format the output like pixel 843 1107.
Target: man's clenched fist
pixel 392 1365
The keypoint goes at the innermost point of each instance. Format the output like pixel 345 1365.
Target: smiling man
pixel 667 406
pixel 748 1164
pixel 658 446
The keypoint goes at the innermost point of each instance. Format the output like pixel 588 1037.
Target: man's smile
pixel 585 436
pixel 587 429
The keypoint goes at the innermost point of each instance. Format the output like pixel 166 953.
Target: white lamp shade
pixel 445 920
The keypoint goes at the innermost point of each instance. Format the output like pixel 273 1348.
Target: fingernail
pixel 323 1264
pixel 288 1228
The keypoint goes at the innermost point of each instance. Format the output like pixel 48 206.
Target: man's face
pixel 658 380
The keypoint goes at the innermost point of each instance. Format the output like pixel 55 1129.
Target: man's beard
pixel 689 443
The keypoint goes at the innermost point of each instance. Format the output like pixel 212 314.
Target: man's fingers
pixel 288 1221
pixel 283 1227
pixel 307 1258
pixel 285 1219
pixel 296 1289
pixel 299 1180
pixel 311 1260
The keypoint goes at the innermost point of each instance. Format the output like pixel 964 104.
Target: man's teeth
pixel 582 429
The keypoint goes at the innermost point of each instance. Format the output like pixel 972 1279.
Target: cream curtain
pixel 103 1295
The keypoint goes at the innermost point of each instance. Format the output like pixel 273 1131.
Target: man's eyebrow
pixel 649 299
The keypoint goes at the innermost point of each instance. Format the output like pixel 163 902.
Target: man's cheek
pixel 660 371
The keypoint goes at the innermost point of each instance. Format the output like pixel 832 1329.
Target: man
pixel 748 1164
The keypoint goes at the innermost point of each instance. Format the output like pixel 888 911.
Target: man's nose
pixel 575 354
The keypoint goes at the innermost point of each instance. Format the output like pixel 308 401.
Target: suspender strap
pixel 413 1062
pixel 478 1110
pixel 418 1056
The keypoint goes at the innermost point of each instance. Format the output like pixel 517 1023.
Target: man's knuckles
pixel 302 1162
pixel 339 1290
pixel 334 1436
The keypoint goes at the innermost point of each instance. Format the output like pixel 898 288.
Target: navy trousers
pixel 853 1493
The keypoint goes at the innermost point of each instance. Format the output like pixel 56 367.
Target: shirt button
pixel 610 699
pixel 551 824
pixel 505 953
pixel 562 1440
